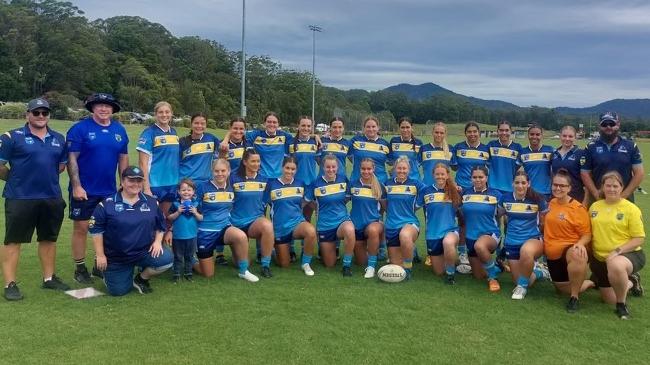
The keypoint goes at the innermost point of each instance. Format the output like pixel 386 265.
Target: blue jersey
pixel 330 198
pixel 235 154
pixel 99 149
pixel 128 230
pixel 196 157
pixel 621 156
pixel 401 203
pixel 537 165
pixel 34 163
pixel 479 211
pixel 429 157
pixel 272 150
pixel 163 150
pixel 215 205
pixel 365 208
pixel 523 219
pixel 361 147
pixel 571 162
pixel 504 162
pixel 286 205
pixel 465 158
pixel 186 225
pixel 439 213
pixel 338 148
pixel 306 153
pixel 250 202
pixel 410 149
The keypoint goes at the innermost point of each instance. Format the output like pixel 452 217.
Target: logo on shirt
pixel 278 193
pixel 356 191
pixel 428 154
pixel 508 206
pixel 142 141
pixel 91 136
pixel 362 145
pixel 119 207
pixel 599 149
pixel 119 138
pixel 495 151
pixel 526 157
pixel 622 149
pixel 231 154
pixel 55 143
pixel 463 153
pixel 145 208
pixel 212 196
pixel 561 216
pixel 241 186
pixel 323 190
pixel 583 160
pixel 594 214
pixel 29 140
pixel 76 212
pixel 620 216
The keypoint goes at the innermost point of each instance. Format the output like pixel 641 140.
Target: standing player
pixel 237 144
pixel 406 145
pixel 369 145
pixel 197 151
pixel 504 157
pixel 336 145
pixel 36 156
pixel 568 157
pixel 97 145
pixel 438 151
pixel 536 159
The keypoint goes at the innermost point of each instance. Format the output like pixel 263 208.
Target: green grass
pixel 324 319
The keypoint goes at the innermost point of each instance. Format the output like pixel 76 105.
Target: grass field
pixel 324 319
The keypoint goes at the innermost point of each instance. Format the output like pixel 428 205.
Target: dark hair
pixel 198 115
pixel 187 181
pixel 289 159
pixel 562 172
pixel 502 122
pixel 337 119
pixel 295 138
pixel 408 120
pixel 238 119
pixel 271 114
pixel 472 124
pixel 482 168
pixel 534 125
pixel 531 194
pixel 247 154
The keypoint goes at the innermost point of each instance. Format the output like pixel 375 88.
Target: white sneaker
pixel 463 259
pixel 249 276
pixel 519 292
pixel 546 275
pixel 464 269
pixel 370 272
pixel 307 269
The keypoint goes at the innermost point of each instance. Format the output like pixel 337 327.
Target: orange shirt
pixel 564 224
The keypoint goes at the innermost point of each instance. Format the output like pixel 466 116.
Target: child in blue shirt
pixel 185 217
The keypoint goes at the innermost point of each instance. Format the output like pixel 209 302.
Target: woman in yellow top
pixel 618 235
pixel 567 233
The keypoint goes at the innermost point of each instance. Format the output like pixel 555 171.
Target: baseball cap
pixel 102 98
pixel 38 104
pixel 133 172
pixel 609 116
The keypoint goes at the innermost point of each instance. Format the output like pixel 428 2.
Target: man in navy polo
pixel 611 153
pixel 36 155
pixel 97 145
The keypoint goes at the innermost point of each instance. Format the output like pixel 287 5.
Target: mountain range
pixel 630 108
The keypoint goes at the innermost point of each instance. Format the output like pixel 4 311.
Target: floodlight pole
pixel 243 61
pixel 314 29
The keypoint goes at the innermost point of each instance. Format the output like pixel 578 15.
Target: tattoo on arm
pixel 73 169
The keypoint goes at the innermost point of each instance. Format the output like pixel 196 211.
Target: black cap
pixel 609 116
pixel 102 98
pixel 38 104
pixel 133 172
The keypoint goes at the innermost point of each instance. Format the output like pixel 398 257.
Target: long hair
pixel 445 145
pixel 225 162
pixel 375 187
pixel 408 120
pixel 296 139
pixel 563 173
pixel 531 194
pixel 451 191
pixel 241 172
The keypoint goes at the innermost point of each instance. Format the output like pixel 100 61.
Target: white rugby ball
pixel 391 273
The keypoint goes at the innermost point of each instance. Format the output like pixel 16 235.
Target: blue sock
pixel 539 275
pixel 450 269
pixel 347 260
pixel 492 269
pixel 372 260
pixel 243 266
pixel 266 261
pixel 523 281
pixel 462 249
pixel 306 259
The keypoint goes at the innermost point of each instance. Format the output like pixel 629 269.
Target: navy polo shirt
pixel 601 158
pixel 34 163
pixel 128 230
pixel 571 162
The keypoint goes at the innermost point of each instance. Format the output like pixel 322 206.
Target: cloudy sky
pixel 549 53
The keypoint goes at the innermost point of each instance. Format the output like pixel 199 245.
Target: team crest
pixel 55 143
pixel 76 212
pixel 390 189
pixel 208 147
pixel 241 186
pixel 341 187
pixel 526 157
pixel 119 138
pixel 362 145
pixel 396 146
pixel 142 141
pixel 323 190
pixel 594 214
pixel 231 154
pixel 145 208
pixel 529 208
pixel 91 136
pixel 486 199
pixel 622 149
pixel 428 154
pixel 583 160
pixel 212 196
pixel 299 191
pixel 599 149
pixel 163 140
pixel 466 198
pixel 104 130
pixel 29 140
pixel 264 140
pixel 91 222
pixel 313 148
pixel 356 191
pixel 620 216
pixel 561 216
pixel 463 153
pixel 281 139
pixel 495 151
pixel 342 147
pixel 119 207
pixel 508 206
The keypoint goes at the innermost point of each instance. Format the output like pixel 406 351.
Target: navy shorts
pixel 392 236
pixel 360 233
pixel 512 252
pixel 82 210
pixel 287 238
pixel 165 193
pixel 471 251
pixel 245 227
pixel 208 241
pixel 435 248
pixel 119 277
pixel 328 236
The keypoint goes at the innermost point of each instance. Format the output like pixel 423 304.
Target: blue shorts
pixel 82 210
pixel 392 235
pixel 287 238
pixel 434 247
pixel 328 236
pixel 208 241
pixel 245 227
pixel 165 193
pixel 119 277
pixel 360 233
pixel 471 251
pixel 512 252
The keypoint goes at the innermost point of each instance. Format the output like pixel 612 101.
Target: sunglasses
pixel 37 113
pixel 609 123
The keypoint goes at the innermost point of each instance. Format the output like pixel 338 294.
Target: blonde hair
pixel 220 161
pixel 610 175
pixel 375 187
pixel 331 157
pixel 403 159
pixel 445 145
pixel 161 104
pixel 369 118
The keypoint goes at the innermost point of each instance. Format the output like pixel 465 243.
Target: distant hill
pixel 629 108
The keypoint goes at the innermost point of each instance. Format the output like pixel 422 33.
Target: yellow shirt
pixel 613 225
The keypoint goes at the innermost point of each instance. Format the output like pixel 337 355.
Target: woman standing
pixel 469 154
pixel 336 145
pixel 304 149
pixel 536 159
pixel 408 146
pixel 369 145
pixel 504 157
pixel 236 144
pixel 438 151
pixel 197 151
pixel 568 157
pixel 618 236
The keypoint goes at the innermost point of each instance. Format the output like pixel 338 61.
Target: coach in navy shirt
pixel 127 230
pixel 97 145
pixel 611 153
pixel 36 155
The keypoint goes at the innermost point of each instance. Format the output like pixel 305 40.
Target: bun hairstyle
pixel 337 119
pixel 531 194
pixel 375 187
pixel 451 191
pixel 563 173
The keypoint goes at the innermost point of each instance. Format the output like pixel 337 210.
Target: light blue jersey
pixel 504 162
pixel 306 154
pixel 235 154
pixel 286 205
pixel 401 203
pixel 377 150
pixel 338 148
pixel 429 157
pixel 523 219
pixel 439 213
pixel 465 158
pixel 409 149
pixel 537 165
pixel 196 157
pixel 365 208
pixel 215 205
pixel 164 158
pixel 330 198
pixel 250 202
pixel 479 211
pixel 272 150
pixel 185 226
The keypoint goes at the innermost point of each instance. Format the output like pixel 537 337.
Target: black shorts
pixel 599 268
pixel 82 210
pixel 558 267
pixel 22 217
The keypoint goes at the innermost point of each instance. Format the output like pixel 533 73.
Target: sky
pixel 549 53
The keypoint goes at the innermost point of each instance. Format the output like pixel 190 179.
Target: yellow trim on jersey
pixel 165 140
pixel 330 189
pixel 504 152
pixel 249 186
pixel 475 154
pixel 236 153
pixel 479 198
pixel 333 147
pixel 435 198
pixel 199 148
pixel 302 148
pixel 290 192
pixel 536 156
pixel 267 141
pixel 436 155
pixel 405 147
pixel 218 197
pixel 371 146
pixel 362 192
pixel 521 208
pixel 402 189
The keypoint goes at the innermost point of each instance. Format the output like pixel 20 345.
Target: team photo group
pixel 490 208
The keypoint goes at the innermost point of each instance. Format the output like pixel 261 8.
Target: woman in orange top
pixel 567 232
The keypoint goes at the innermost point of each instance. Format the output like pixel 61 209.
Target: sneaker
pixel 572 305
pixel 141 284
pixel 12 292
pixel 621 311
pixel 221 260
pixel 450 279
pixel 637 289
pixel 370 272
pixel 493 285
pixel 82 276
pixel 464 269
pixel 188 277
pixel 249 276
pixel 292 257
pixel 463 259
pixel 519 292
pixel 266 272
pixel 546 275
pixel 427 261
pixel 96 273
pixel 307 269
pixel 55 283
pixel 347 271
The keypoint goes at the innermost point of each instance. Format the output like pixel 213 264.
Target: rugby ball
pixel 391 273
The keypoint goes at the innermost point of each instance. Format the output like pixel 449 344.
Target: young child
pixel 185 217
